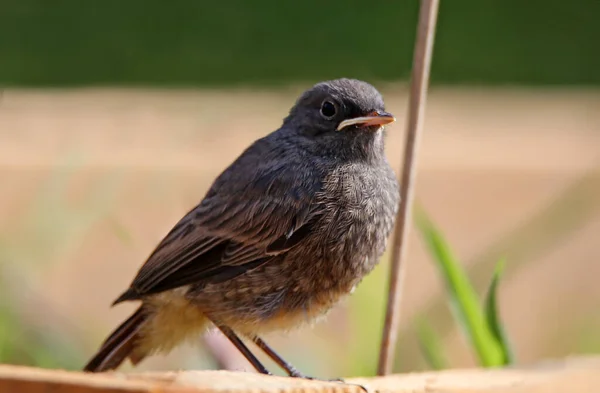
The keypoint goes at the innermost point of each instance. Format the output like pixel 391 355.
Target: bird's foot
pixel 298 374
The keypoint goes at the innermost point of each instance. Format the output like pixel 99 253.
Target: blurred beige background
pixel 91 179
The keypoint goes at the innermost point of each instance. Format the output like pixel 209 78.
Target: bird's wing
pixel 229 233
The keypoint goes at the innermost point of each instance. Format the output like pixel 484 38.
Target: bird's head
pixel 341 114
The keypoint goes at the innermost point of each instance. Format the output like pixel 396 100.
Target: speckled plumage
pixel 284 232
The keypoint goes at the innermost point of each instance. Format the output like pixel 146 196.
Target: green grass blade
pixel 464 300
pixel 493 317
pixel 431 346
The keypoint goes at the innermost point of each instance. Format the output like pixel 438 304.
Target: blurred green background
pixel 115 116
pixel 199 43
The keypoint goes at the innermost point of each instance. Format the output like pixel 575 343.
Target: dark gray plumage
pixel 284 232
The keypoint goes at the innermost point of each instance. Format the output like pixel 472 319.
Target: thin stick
pixel 416 111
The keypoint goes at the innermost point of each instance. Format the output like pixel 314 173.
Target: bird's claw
pixel 338 380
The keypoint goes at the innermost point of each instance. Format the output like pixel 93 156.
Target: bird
pixel 282 235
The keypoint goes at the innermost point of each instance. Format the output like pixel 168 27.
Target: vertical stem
pixel 416 110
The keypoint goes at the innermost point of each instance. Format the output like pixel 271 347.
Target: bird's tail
pixel 120 345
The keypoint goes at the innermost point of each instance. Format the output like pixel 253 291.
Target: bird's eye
pixel 328 110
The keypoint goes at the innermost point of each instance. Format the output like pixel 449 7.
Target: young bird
pixel 288 229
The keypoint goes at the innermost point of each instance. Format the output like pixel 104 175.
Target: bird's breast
pixel 360 204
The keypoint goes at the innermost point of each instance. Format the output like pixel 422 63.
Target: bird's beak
pixel 374 118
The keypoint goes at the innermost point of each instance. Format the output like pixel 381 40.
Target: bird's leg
pixel 281 362
pixel 230 334
pixel 291 370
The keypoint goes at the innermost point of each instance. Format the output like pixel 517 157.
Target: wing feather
pixel 230 232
